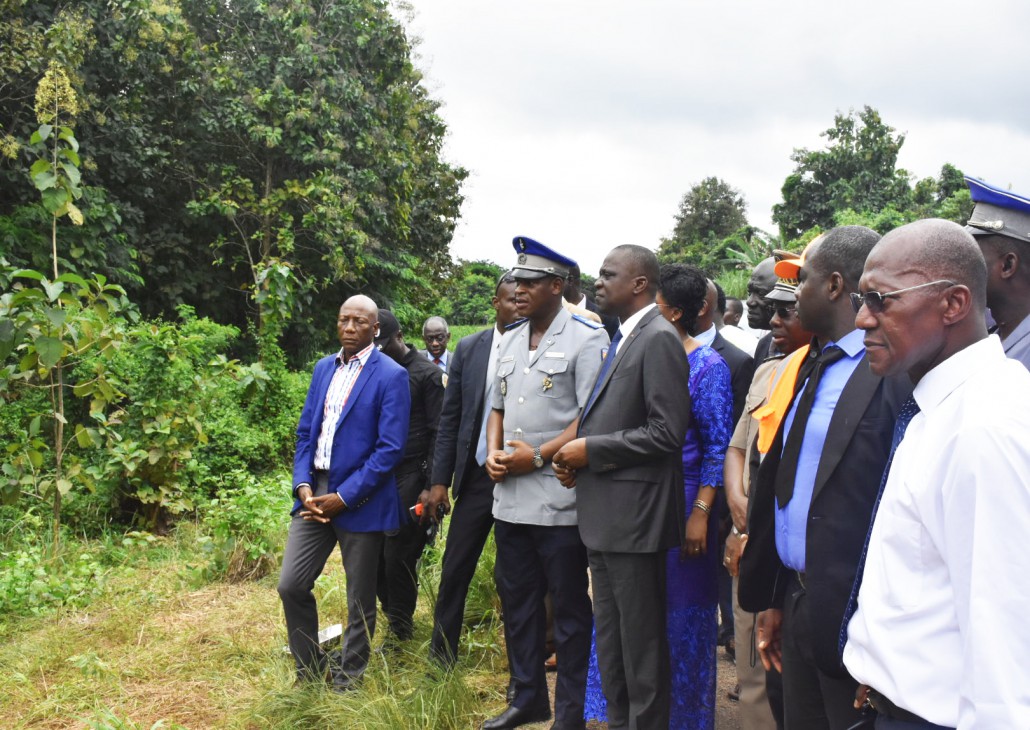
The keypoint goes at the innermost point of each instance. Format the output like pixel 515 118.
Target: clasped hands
pixel 518 461
pixel 319 509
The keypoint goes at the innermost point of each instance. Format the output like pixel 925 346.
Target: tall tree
pixel 246 155
pixel 855 171
pixel 710 212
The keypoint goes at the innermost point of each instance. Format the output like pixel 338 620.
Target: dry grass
pixel 156 649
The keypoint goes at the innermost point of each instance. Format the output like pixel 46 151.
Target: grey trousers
pixel 755 713
pixel 308 547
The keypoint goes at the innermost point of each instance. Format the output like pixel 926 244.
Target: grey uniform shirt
pixel 1017 345
pixel 541 393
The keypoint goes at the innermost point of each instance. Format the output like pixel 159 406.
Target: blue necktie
pixel 609 358
pixel 908 411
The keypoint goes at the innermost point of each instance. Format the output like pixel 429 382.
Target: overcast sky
pixel 582 124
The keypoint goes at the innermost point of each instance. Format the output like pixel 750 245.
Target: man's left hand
pixel 323 509
pixel 572 455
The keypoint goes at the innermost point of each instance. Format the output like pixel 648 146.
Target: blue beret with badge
pixel 535 260
pixel 998 212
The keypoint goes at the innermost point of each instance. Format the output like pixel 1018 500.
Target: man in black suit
pixel 461 453
pixel 626 465
pixel 760 309
pixel 398 564
pixel 574 295
pixel 811 503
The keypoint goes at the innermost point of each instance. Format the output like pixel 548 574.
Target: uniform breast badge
pixel 548 383
pixel 504 387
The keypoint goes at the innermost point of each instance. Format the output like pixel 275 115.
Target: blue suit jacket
pixel 367 446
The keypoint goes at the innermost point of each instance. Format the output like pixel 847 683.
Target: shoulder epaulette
pixel 513 325
pixel 589 323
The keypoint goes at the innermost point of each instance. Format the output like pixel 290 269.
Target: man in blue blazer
pixel 349 440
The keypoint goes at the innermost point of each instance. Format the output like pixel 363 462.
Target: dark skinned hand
pixel 323 509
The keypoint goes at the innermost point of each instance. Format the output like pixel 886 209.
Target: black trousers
pixel 812 699
pixel 632 645
pixel 398 568
pixel 533 560
pixel 470 523
pixel 308 547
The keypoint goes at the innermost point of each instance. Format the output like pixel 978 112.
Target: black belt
pixel 885 707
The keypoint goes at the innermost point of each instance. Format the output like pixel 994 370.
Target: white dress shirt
pixel 736 336
pixel 340 386
pixel 626 327
pixel 941 627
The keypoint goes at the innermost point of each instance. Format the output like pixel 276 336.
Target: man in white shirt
pixel 940 637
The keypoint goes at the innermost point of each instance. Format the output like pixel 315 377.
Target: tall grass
pixel 159 644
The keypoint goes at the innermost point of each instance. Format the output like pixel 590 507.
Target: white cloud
pixel 583 123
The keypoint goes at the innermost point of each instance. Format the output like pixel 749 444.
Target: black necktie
pixel 787 471
pixel 609 358
pixel 908 411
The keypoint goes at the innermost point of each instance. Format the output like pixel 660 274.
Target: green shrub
pixel 247 523
pixel 32 580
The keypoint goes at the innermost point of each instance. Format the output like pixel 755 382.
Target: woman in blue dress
pixel 692 612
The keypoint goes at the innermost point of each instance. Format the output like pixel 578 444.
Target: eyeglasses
pixel 785 312
pixel 436 338
pixel 874 300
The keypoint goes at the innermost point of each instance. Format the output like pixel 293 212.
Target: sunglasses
pixel 785 312
pixel 874 300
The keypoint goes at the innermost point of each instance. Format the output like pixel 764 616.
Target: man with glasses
pixel 436 334
pixel 815 488
pixel 939 638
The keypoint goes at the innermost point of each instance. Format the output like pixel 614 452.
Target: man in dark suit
pixel 461 453
pixel 759 309
pixel 815 489
pixel 626 465
pixel 398 567
pixel 350 439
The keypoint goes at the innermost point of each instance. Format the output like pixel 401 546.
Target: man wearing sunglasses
pixel 939 638
pixel 815 489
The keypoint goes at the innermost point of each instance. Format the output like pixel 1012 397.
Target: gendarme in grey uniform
pixel 541 393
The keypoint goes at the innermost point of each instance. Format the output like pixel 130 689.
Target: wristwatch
pixel 538 460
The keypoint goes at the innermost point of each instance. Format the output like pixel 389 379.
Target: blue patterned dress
pixel 692 589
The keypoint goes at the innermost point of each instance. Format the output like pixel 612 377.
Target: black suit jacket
pixel 462 415
pixel 630 498
pixel 742 371
pixel 847 481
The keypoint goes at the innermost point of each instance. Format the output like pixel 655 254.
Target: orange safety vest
pixel 777 403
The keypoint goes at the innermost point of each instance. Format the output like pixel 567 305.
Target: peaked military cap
pixel 786 287
pixel 998 212
pixel 535 260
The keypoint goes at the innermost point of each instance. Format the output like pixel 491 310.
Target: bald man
pixel 939 639
pixel 350 438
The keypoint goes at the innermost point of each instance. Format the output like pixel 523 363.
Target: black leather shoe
pixel 517 716
pixel 511 694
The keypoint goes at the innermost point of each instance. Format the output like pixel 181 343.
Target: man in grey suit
pixel 626 465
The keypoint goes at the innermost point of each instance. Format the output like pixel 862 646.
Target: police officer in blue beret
pixel 546 369
pixel 1000 222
